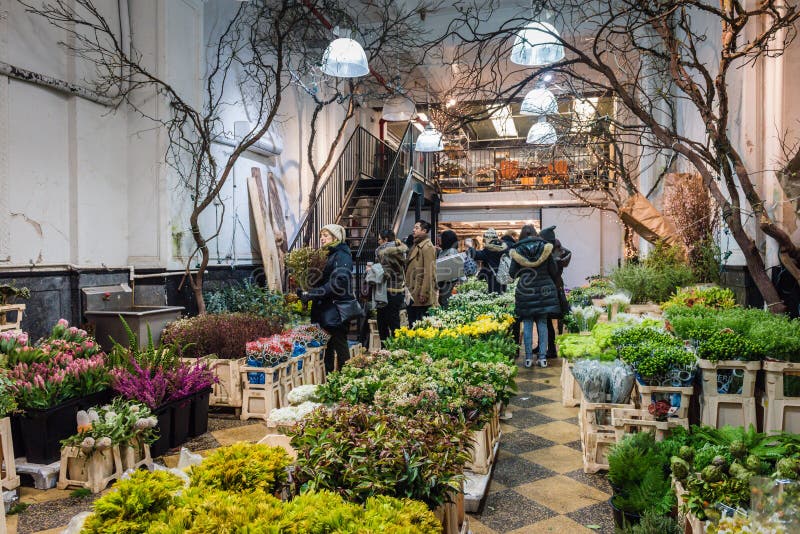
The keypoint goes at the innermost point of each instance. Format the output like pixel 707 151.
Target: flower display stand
pixel 315 368
pixel 374 336
pixel 597 433
pixel 630 420
pixel 570 389
pixel 494 423
pixel 228 391
pixel 259 399
pixel 690 523
pixel 93 472
pixel 482 451
pixel 452 516
pixel 298 365
pixel 735 409
pixel 135 455
pixel 6 324
pixel 10 479
pixel 648 394
pixel 781 413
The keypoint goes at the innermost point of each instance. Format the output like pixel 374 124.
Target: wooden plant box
pixel 135 455
pixel 631 420
pixel 93 472
pixel 781 413
pixel 597 433
pixel 6 324
pixel 314 368
pixel 648 394
pixel 10 479
pixel 482 451
pixel 494 423
pixel 690 523
pixel 374 336
pixel 720 409
pixel 641 309
pixel 258 400
pixel 570 389
pixel 228 391
pixel 452 516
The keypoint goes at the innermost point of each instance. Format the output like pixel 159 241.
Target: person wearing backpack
pixel 536 296
pixel 493 250
pixel 562 257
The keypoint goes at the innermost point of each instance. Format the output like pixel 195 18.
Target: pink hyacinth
pixel 63 322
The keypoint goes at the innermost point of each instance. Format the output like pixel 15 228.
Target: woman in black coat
pixel 333 287
pixel 536 297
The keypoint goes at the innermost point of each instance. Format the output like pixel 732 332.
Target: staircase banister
pixel 320 191
pixel 386 182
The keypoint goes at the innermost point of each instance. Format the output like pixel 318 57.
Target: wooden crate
pixel 374 336
pixel 315 368
pixel 452 516
pixel 10 479
pixel 690 523
pixel 482 453
pixel 228 391
pixel 258 400
pixel 135 455
pixel 93 472
pixel 720 409
pixel 597 433
pixel 570 389
pixel 781 413
pixel 494 423
pixel 6 324
pixel 649 394
pixel 641 309
pixel 631 420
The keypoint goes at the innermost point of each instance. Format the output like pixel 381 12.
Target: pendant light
pixel 542 133
pixel 430 140
pixel 399 108
pixel 344 58
pixel 536 45
pixel 539 101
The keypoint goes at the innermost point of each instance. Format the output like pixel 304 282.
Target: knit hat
pixel 490 234
pixel 548 234
pixel 335 230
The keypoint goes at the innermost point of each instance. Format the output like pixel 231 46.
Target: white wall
pixel 82 185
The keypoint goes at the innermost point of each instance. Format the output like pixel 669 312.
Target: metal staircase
pixel 369 189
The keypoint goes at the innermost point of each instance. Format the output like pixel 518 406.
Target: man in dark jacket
pixel 493 250
pixel 536 296
pixel 562 257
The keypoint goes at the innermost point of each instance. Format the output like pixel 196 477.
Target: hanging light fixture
pixel 539 101
pixel 542 133
pixel 538 44
pixel 399 108
pixel 430 140
pixel 344 58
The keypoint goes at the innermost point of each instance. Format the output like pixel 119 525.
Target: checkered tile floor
pixel 538 484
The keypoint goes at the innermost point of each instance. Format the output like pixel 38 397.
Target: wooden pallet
pixel 10 309
pixel 570 389
pixel 94 472
pixel 10 479
pixel 720 409
pixel 631 420
pixel 781 413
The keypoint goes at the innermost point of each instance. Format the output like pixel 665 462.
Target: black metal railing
pixel 363 155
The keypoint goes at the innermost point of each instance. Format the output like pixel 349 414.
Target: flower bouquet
pixel 305 266
pixel 120 422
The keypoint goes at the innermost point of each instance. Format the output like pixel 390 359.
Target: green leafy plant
pixel 223 335
pixel 120 422
pixel 249 298
pixel 646 283
pixel 8 402
pixel 638 468
pixel 9 293
pixel 360 452
pixel 727 345
pixel 710 297
pixel 652 522
pixel 305 266
pixel 243 467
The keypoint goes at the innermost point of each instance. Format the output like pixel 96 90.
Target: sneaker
pixel 543 362
pixel 528 362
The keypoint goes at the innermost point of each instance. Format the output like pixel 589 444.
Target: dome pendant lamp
pixel 542 133
pixel 399 108
pixel 430 140
pixel 539 101
pixel 344 58
pixel 536 45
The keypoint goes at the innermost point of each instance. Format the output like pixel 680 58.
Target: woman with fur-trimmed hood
pixel 536 297
pixel 493 250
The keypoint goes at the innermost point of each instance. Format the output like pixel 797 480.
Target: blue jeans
pixel 527 336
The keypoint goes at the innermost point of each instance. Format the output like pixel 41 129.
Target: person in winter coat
pixel 536 297
pixel 391 254
pixel 333 287
pixel 493 250
pixel 562 257
pixel 449 244
pixel 510 239
pixel 421 273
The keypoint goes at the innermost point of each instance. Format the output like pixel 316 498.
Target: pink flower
pixel 63 322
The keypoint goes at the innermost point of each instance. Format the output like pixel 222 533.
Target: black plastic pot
pixel 623 519
pixel 181 415
pixel 95 399
pixel 43 430
pixel 164 415
pixel 198 421
pixel 16 435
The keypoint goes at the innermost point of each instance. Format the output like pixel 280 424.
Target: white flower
pixel 103 443
pixel 302 394
pixel 93 415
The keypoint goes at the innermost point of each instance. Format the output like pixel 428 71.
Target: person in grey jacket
pixel 536 296
pixel 391 255
pixel 449 245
